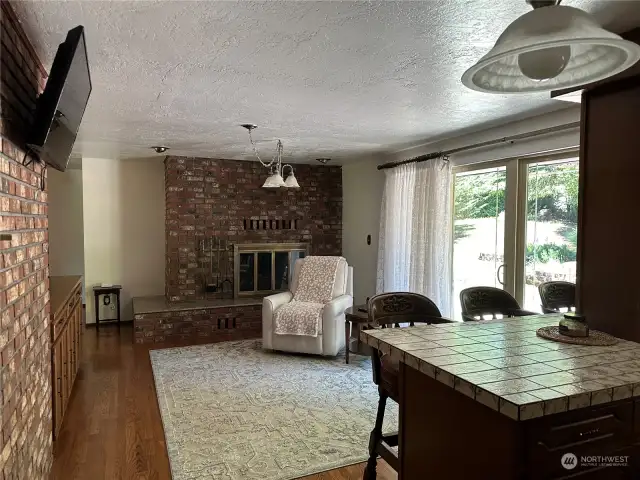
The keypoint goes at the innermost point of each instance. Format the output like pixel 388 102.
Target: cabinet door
pixel 69 359
pixel 57 388
pixel 72 346
pixel 64 367
pixel 78 334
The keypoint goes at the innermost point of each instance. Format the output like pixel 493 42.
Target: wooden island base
pixel 445 434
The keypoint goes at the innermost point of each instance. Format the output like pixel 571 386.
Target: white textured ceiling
pixel 331 79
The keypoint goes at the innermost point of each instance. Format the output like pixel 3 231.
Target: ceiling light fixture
pixel 275 166
pixel 160 149
pixel 552 47
pixel 323 161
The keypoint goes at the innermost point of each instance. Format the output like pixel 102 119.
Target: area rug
pixel 233 411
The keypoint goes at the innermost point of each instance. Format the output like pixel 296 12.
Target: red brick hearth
pixel 215 320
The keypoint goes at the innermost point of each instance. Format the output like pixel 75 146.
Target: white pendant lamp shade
pixel 291 181
pixel 551 48
pixel 273 181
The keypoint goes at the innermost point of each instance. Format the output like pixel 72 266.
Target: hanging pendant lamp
pixel 275 166
pixel 550 48
pixel 291 181
pixel 274 180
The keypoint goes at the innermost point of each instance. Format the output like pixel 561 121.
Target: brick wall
pixel 206 198
pixel 212 324
pixel 25 381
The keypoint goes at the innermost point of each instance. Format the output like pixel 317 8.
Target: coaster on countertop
pixel 595 337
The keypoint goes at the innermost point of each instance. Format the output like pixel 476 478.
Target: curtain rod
pixel 510 139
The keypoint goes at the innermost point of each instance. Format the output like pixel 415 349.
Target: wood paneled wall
pixel 608 289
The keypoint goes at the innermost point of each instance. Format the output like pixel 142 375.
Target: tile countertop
pixel 504 365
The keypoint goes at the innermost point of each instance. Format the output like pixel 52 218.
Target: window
pixel 478 230
pixel 515 226
pixel 551 226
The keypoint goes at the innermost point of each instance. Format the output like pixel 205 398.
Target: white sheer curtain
pixel 415 232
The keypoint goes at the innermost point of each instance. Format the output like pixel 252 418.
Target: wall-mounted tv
pixel 60 108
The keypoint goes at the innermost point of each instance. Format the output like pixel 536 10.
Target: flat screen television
pixel 60 108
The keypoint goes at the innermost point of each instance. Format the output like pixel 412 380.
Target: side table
pixel 356 319
pixel 99 290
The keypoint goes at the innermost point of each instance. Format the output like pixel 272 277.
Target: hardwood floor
pixel 112 428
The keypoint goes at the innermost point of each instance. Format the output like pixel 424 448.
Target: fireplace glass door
pixel 247 272
pixel 281 260
pixel 262 269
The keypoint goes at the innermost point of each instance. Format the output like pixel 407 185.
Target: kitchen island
pixel 493 400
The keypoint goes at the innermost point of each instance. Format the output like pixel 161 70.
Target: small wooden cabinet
pixel 66 331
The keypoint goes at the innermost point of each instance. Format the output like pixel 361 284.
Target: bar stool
pixel 481 302
pixel 389 310
pixel 557 295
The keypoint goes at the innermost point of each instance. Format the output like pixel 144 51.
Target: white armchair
pixel 331 340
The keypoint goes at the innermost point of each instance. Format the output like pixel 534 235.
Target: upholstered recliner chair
pixel 330 340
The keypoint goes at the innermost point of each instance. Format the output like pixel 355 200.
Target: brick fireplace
pixel 212 207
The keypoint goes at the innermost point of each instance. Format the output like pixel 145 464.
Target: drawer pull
pixel 583 422
pixel 575 444
pixel 589 432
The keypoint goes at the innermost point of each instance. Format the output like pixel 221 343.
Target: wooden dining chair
pixel 478 303
pixel 392 310
pixel 557 295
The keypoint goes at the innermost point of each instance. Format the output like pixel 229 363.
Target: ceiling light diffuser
pixel 551 48
pixel 291 181
pixel 274 181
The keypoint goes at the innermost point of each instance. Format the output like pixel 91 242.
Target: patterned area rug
pixel 233 411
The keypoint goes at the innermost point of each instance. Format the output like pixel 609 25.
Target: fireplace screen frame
pixel 257 248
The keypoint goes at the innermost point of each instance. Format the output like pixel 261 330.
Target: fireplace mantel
pixel 264 268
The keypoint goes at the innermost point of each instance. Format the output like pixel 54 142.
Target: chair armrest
pixel 523 313
pixel 337 306
pixel 277 300
pixel 269 306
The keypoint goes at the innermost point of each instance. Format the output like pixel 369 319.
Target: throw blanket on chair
pixel 303 315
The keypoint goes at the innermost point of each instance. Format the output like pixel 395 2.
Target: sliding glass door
pixel 515 226
pixel 551 226
pixel 478 229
